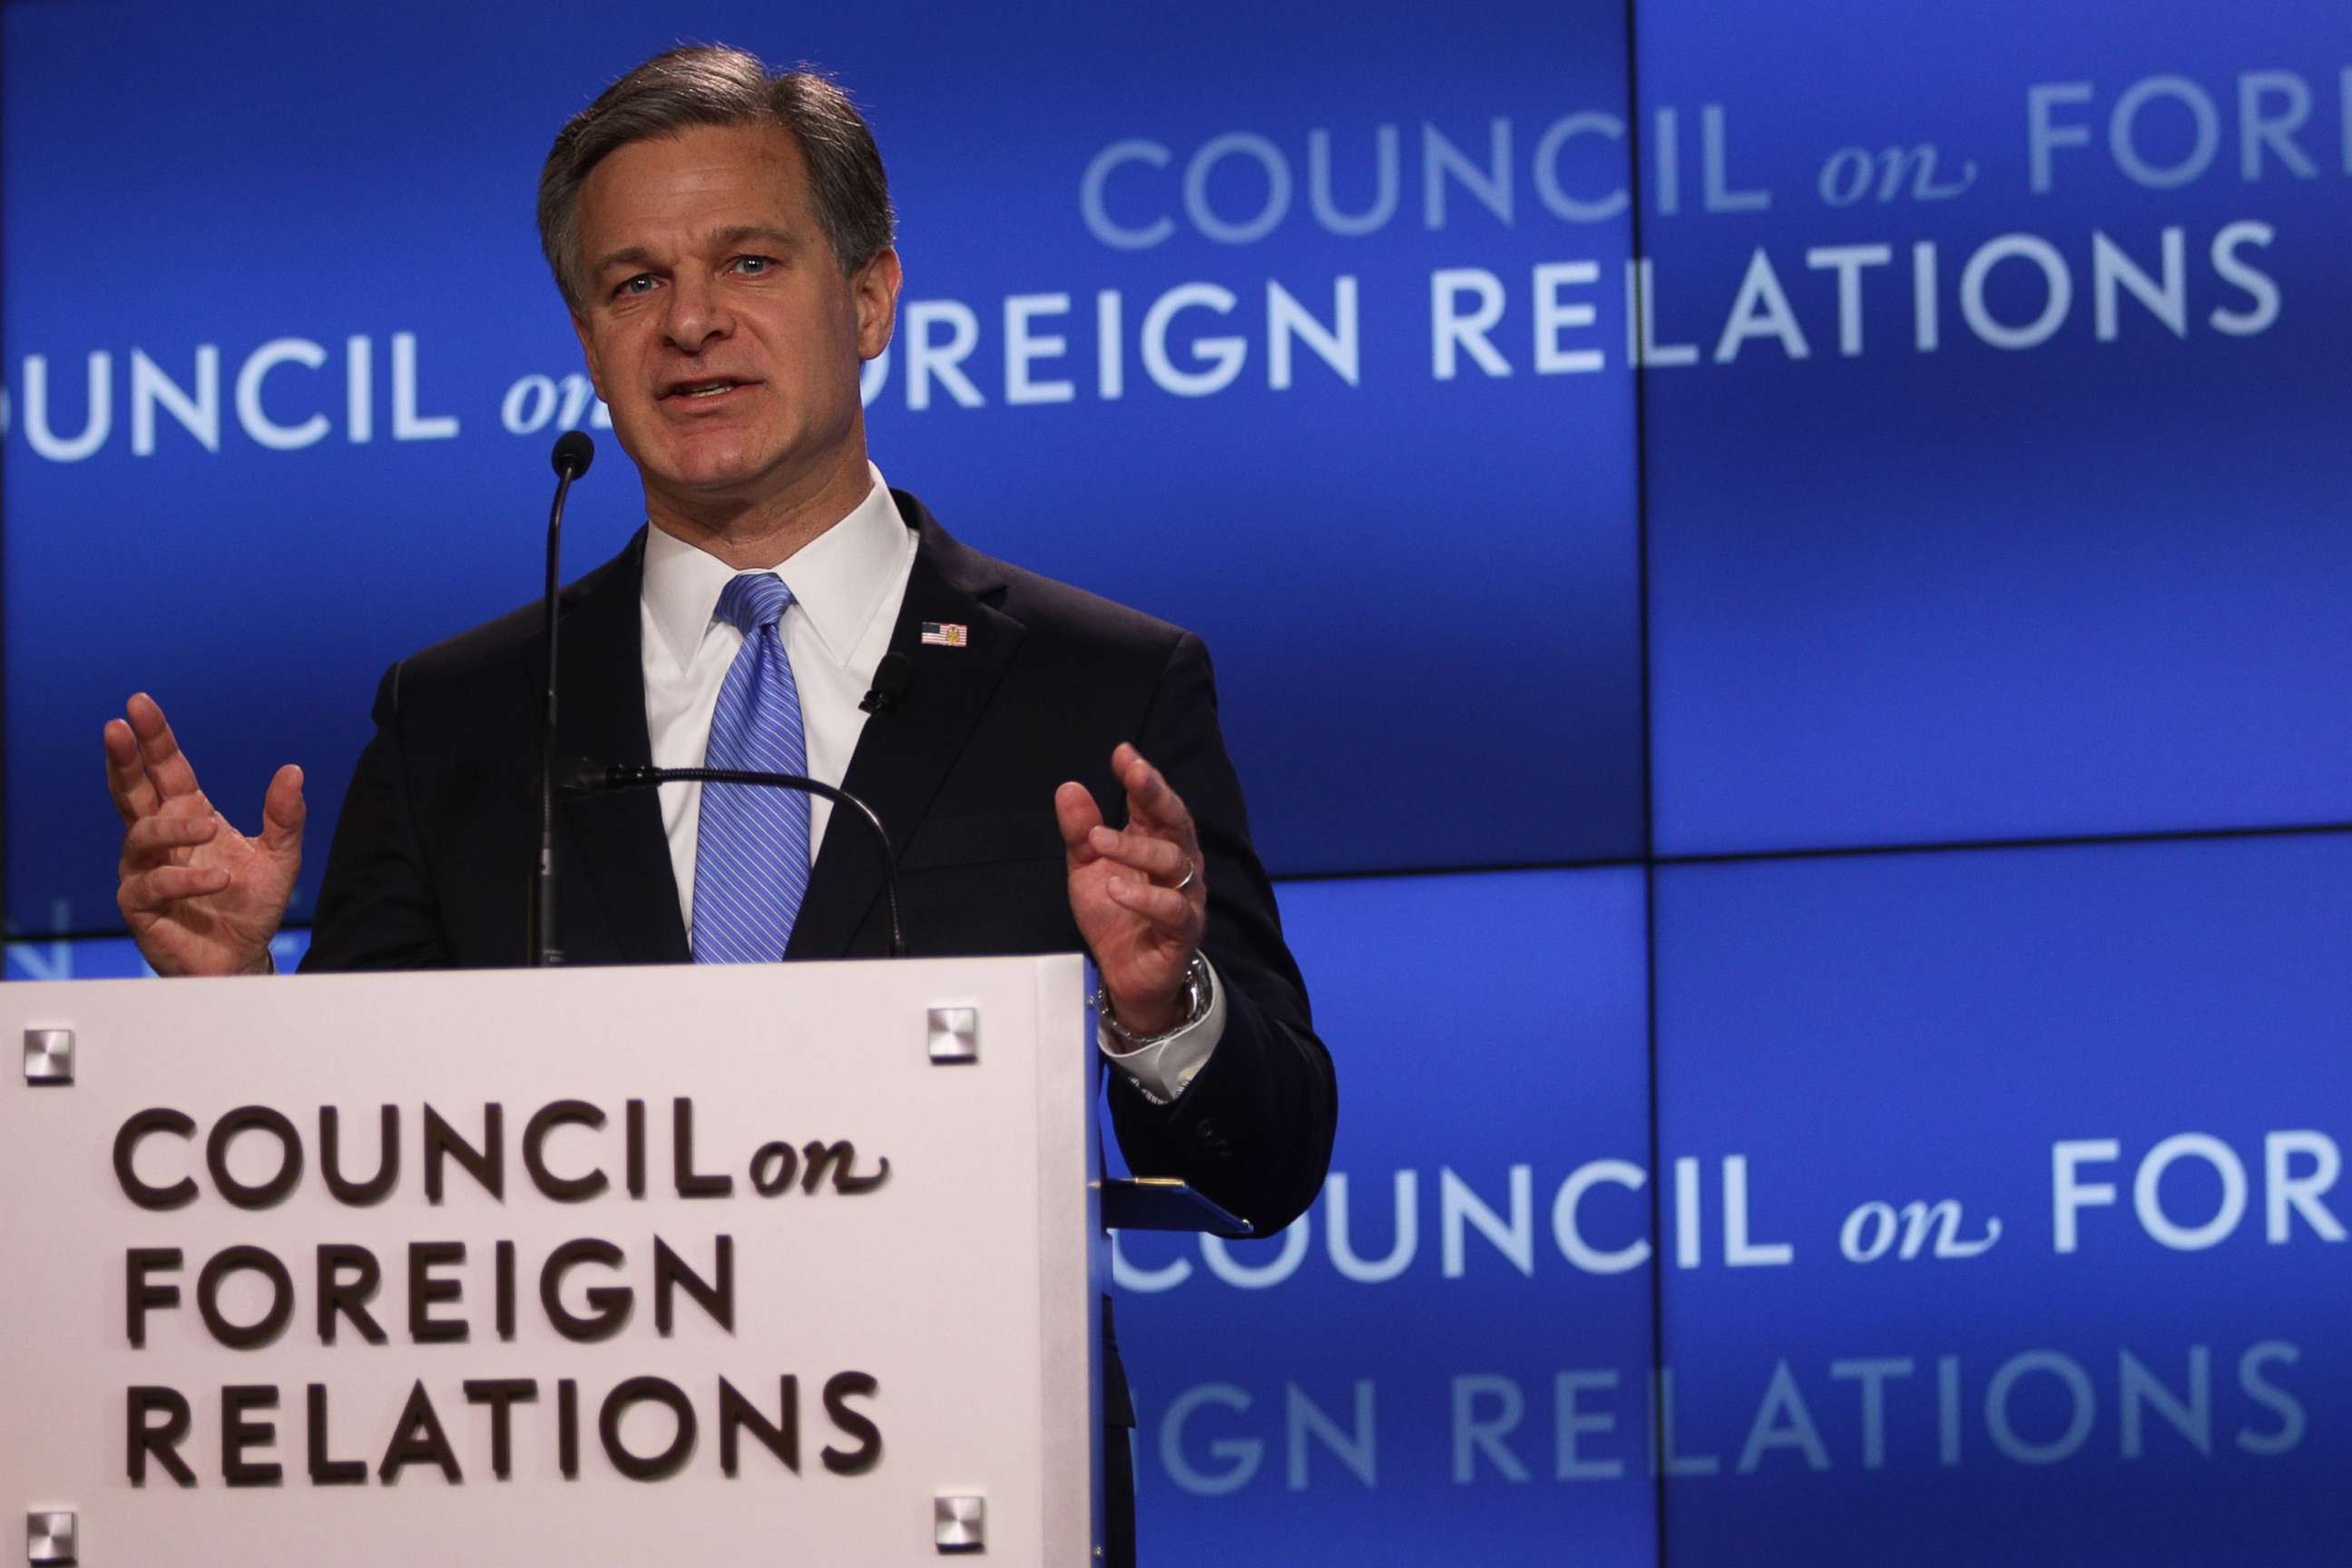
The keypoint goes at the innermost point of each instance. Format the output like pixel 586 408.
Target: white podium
pixel 783 1263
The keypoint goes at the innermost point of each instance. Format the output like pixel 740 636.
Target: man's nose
pixel 697 315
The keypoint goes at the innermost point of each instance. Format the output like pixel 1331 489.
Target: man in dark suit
pixel 723 240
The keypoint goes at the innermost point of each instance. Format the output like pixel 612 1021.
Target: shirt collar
pixel 839 579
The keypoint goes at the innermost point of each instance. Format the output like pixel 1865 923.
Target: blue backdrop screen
pixel 1994 488
pixel 1387 1370
pixel 2042 1155
pixel 325 400
pixel 1704 514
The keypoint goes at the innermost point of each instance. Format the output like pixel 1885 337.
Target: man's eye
pixel 642 283
pixel 752 266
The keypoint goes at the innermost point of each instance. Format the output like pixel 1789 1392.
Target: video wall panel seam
pixel 7 925
pixel 1641 458
pixel 1835 852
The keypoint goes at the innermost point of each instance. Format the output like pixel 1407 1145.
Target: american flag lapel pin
pixel 945 634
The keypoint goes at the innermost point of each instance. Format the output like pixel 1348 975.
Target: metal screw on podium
pixel 48 1056
pixel 959 1523
pixel 955 1033
pixel 51 1537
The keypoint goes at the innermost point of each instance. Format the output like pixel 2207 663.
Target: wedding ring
pixel 1190 871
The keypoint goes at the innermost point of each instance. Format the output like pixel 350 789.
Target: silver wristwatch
pixel 1197 992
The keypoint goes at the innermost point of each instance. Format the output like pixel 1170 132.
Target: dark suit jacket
pixel 432 856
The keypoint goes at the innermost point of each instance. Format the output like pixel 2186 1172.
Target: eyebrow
pixel 739 234
pixel 721 238
pixel 635 256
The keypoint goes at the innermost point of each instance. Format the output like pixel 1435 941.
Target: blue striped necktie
pixel 752 851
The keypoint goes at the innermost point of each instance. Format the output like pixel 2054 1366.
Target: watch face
pixel 1196 989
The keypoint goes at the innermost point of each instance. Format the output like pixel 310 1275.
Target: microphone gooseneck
pixel 580 776
pixel 573 454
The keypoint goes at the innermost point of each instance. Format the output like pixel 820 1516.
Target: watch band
pixel 1196 1008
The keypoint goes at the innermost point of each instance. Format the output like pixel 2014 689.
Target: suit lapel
pixel 905 753
pixel 617 844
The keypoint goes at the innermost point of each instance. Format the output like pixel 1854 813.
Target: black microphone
pixel 892 678
pixel 573 452
pixel 578 776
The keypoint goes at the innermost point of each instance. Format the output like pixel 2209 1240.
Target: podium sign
pixel 783 1263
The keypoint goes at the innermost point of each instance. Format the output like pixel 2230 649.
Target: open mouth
pixel 708 391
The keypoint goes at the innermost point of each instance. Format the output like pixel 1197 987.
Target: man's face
pixel 717 323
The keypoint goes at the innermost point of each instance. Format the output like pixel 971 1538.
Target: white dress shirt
pixel 846 585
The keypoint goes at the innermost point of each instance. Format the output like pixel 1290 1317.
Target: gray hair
pixel 713 85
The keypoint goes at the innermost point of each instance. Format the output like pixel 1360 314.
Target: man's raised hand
pixel 200 898
pixel 1140 896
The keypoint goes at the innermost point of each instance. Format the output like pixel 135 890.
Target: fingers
pixel 157 835
pixel 1078 815
pixel 1158 842
pixel 1150 799
pixel 152 890
pixel 1155 857
pixel 283 812
pixel 1163 906
pixel 168 768
pixel 126 776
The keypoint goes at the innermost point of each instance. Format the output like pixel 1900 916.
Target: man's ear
pixel 588 354
pixel 874 289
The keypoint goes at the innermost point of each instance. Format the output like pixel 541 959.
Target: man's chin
pixel 709 488
pixel 710 476
pixel 717 475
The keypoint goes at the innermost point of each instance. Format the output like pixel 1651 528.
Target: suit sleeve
pixel 1253 1129
pixel 376 907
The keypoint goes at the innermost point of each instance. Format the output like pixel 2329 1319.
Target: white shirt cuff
pixel 1166 1068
